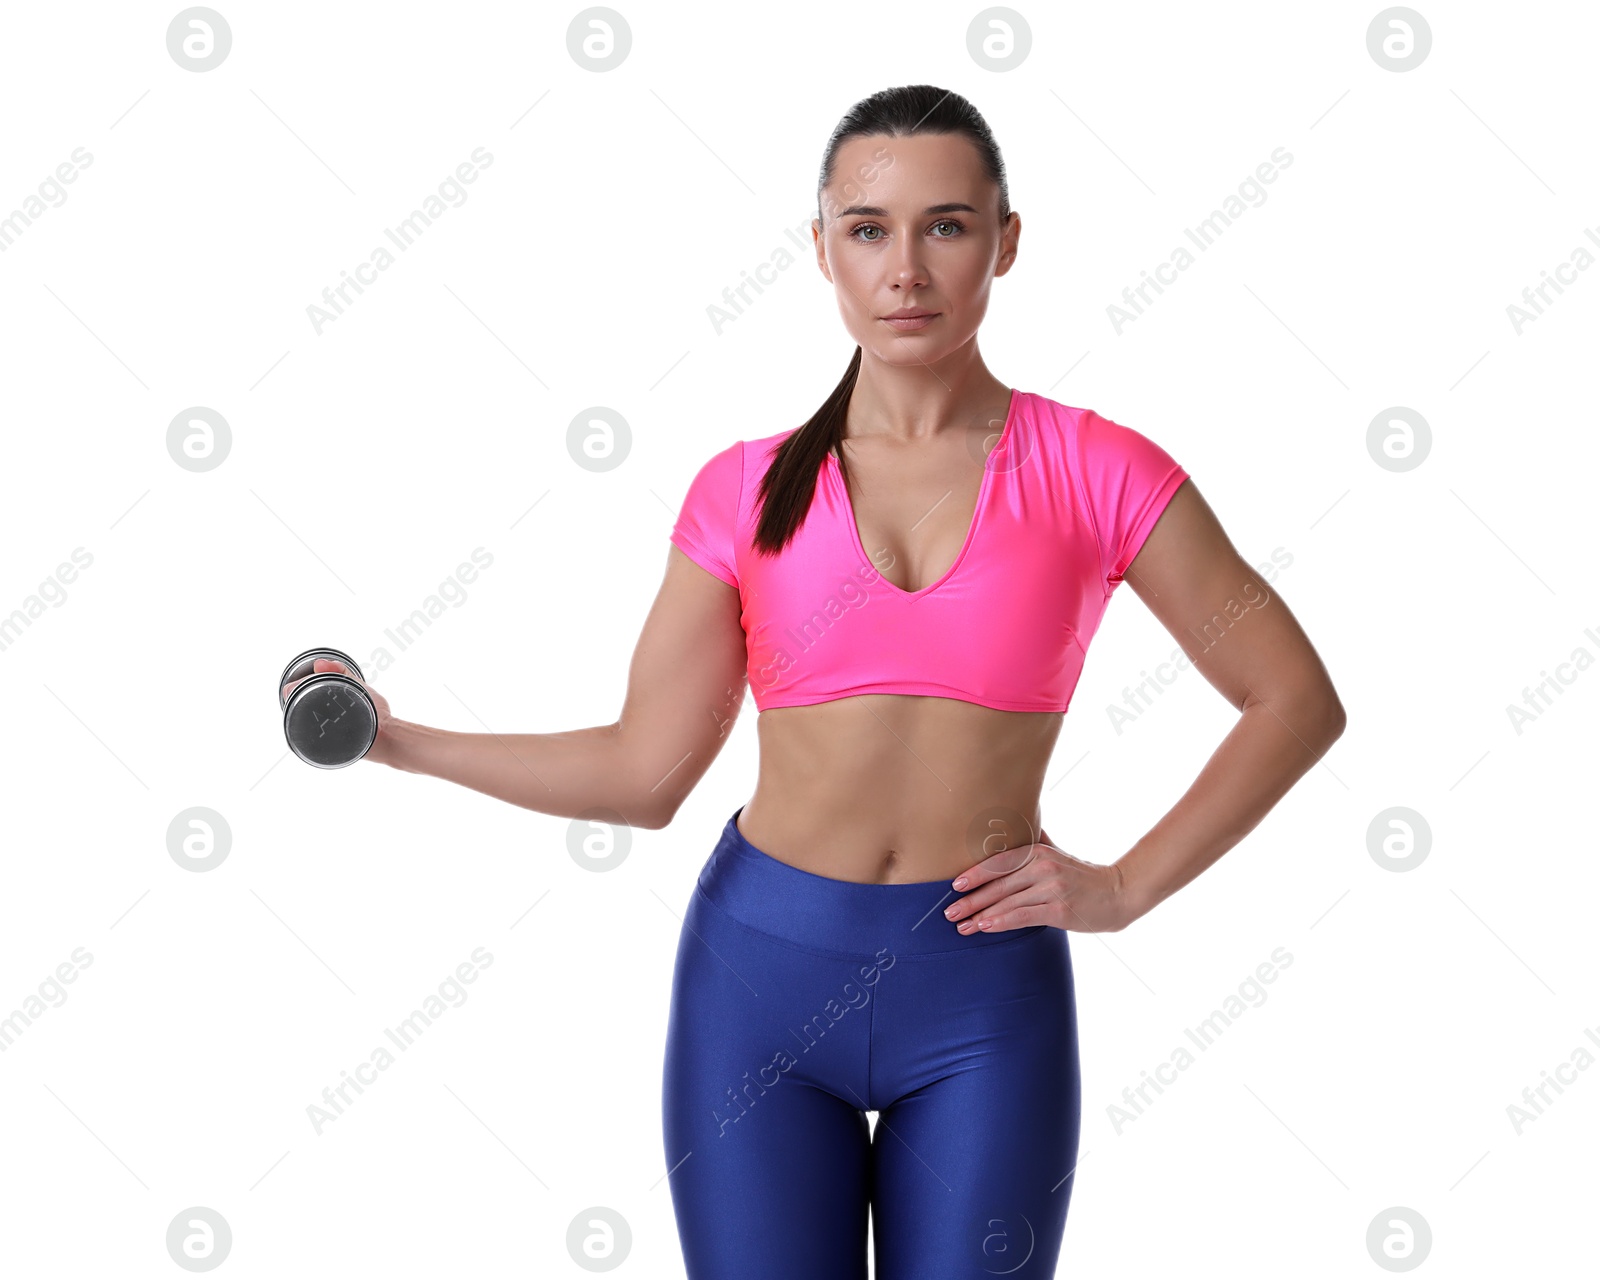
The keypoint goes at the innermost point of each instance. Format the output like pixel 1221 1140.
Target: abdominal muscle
pixel 887 788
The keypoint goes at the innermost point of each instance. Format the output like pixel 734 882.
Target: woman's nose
pixel 906 268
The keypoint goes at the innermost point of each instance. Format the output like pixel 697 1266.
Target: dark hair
pixel 790 483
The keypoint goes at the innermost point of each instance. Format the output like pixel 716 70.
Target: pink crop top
pixel 1066 501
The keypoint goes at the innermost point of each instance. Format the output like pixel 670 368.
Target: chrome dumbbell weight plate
pixel 328 721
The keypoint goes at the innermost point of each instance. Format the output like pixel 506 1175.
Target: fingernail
pixel 983 924
pixel 961 883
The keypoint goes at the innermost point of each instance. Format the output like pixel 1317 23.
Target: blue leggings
pixel 799 1004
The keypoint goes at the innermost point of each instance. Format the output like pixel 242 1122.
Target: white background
pixel 432 418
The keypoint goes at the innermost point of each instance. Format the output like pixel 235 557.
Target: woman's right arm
pixel 685 686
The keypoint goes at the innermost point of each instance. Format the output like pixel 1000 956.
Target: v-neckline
pixel 972 528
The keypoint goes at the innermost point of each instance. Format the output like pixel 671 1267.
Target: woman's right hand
pixel 379 753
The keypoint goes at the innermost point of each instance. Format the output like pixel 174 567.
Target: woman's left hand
pixel 1038 884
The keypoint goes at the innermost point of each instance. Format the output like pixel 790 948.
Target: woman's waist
pixel 827 913
pixel 863 826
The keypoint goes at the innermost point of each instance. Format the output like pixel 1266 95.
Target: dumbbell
pixel 329 720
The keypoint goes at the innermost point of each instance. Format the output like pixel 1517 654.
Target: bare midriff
pixel 895 788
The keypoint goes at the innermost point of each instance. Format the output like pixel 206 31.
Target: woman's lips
pixel 908 324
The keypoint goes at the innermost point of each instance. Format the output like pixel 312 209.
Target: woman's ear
pixel 1010 234
pixel 822 257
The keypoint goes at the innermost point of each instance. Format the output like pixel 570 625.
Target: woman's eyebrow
pixel 873 211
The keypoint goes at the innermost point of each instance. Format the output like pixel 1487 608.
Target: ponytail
pixel 790 482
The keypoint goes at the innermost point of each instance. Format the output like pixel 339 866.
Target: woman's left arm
pixel 1241 636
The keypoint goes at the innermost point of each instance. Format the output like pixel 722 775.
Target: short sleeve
pixel 710 514
pixel 1128 480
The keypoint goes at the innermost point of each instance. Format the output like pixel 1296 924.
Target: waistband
pixel 834 915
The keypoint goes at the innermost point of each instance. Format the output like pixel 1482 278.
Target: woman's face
pixel 912 222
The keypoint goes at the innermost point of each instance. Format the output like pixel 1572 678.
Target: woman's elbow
pixel 1324 717
pixel 653 813
pixel 653 800
pixel 1312 709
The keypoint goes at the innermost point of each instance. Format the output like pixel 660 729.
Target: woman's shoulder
pixel 761 447
pixel 735 468
pixel 1047 411
pixel 1087 431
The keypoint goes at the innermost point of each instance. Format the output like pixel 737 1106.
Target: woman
pixel 908 583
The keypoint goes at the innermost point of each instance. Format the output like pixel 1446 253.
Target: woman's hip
pixel 773 960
